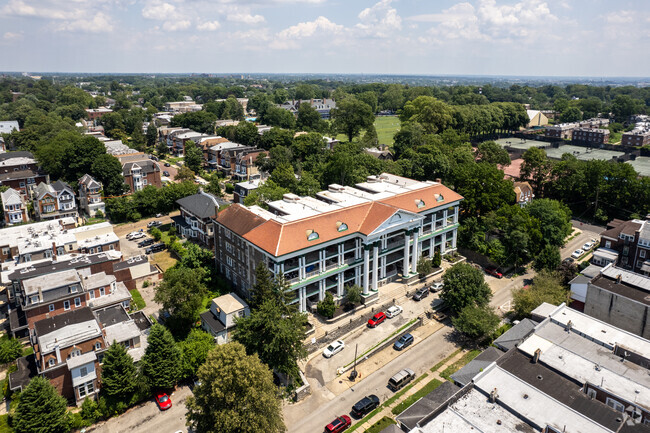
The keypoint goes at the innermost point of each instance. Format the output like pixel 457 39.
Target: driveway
pixel 147 418
pixel 587 232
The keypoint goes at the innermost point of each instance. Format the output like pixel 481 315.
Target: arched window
pixel 341 226
pixel 312 236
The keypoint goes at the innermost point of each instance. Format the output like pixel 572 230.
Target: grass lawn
pixel 386 127
pixel 95 220
pixel 615 137
pixel 380 425
pixel 433 384
pixel 163 259
pixel 453 368
pixel 137 299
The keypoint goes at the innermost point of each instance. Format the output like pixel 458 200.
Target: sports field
pixel 386 127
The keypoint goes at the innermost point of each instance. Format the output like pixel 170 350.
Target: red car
pixel 491 270
pixel 163 400
pixel 377 319
pixel 339 424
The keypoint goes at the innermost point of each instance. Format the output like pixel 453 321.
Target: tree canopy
pixel 41 409
pixel 162 360
pixel 464 285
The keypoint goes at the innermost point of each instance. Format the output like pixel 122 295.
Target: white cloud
pixel 11 36
pixel 158 10
pixel 621 17
pixel 100 23
pixel 208 26
pixel 174 26
pixel 245 18
pixel 307 29
pixel 379 20
pixel 45 10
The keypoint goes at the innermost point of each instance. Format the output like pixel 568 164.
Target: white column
pixel 456 214
pixel 321 290
pixel 375 266
pixel 382 267
pixel 302 304
pixel 444 218
pixel 405 266
pixel 339 289
pixel 416 254
pixel 357 275
pixel 443 243
pixel 321 255
pixel 453 239
pixel 366 266
pixel 340 258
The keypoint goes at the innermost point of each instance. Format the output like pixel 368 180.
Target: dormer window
pixel 440 197
pixel 312 235
pixel 420 203
pixel 341 226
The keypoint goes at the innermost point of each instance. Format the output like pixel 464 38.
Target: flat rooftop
pixel 51 281
pixel 521 144
pixel 642 165
pixel 583 153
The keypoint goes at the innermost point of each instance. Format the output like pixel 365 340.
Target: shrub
pixel 437 259
pixel 99 214
pixel 145 283
pixel 230 188
pixel 10 349
pixel 353 295
pixel 326 307
pixel 156 234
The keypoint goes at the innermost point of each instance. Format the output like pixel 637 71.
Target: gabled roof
pixel 147 166
pixel 239 219
pixel 59 186
pixel 11 196
pixel 203 204
pixel 89 181
pixel 626 227
pixel 43 189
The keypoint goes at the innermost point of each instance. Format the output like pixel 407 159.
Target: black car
pixel 365 405
pixel 146 242
pixel 155 248
pixel 421 294
pixel 166 173
pixel 167 164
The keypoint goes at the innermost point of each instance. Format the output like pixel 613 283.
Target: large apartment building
pixel 367 235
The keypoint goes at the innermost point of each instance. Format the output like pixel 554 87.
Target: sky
pixel 407 37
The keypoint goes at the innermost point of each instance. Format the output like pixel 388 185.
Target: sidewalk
pixel 387 410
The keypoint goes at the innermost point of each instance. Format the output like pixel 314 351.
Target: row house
pixel 171 134
pixel 367 235
pixel 591 136
pixel 239 162
pixel 214 153
pixel 165 131
pixel 205 143
pixel 182 139
pixel 627 244
pixel 20 171
pixel 196 219
pixel 323 106
pixel 244 189
pixel 182 106
pixel 47 239
pixel 14 206
pixel 69 349
pixel 95 114
pixel 140 172
pixel 640 134
pixel 90 196
pixel 562 131
pixel 54 201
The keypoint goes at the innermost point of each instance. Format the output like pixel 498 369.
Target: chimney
pixel 438 180
pixel 536 356
pixel 493 396
pixel 569 326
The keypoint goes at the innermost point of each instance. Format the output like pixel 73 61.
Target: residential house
pixel 54 201
pixel 182 106
pixel 219 321
pixel 117 148
pixel 215 151
pixel 195 221
pixel 382 153
pixel 95 114
pixel 205 143
pixel 9 126
pixel 523 193
pixel 323 106
pixel 626 243
pixel 14 206
pixel 180 141
pixel 20 171
pixel 536 119
pixel 90 196
pixel 245 167
pixel 367 235
pixel 244 189
pixel 139 172
pixel 640 134
pixel 563 131
pixel 591 136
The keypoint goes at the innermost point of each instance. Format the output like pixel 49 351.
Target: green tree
pixel 152 135
pixel 181 294
pixel 546 287
pixel 424 266
pixel 246 134
pixel 554 218
pixel 536 167
pixel 236 395
pixel 464 285
pixel 491 152
pixel 263 289
pixel 185 174
pixel 351 116
pixel 195 350
pixel 327 306
pixel 433 114
pixel 476 323
pixel 162 148
pixel 162 360
pixel 308 118
pixel 276 116
pixel 353 295
pixel 107 169
pixel 119 375
pixel 193 157
pixel 571 114
pixel 549 258
pixel 437 259
pixel 276 334
pixel 41 409
pixel 10 349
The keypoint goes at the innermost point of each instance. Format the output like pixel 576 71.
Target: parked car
pixel 491 270
pixel 568 260
pixel 146 243
pixel 587 246
pixel 163 401
pixel 154 224
pixel 437 286
pixel 377 319
pixel 135 235
pixel 155 248
pixel 165 173
pixel 365 405
pixel 421 294
pixel 577 254
pixel 393 311
pixel 401 379
pixel 333 348
pixel 167 164
pixel 340 424
pixel 404 341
